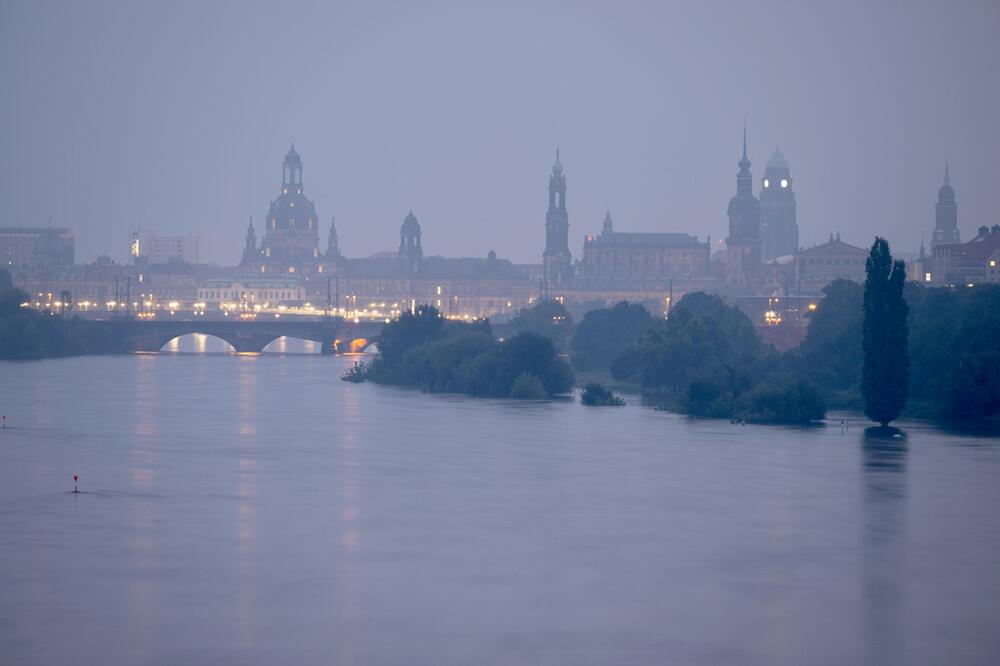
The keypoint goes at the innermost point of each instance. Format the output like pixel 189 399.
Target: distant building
pixel 34 247
pixel 820 265
pixel 744 251
pixel 974 262
pixel 557 260
pixel 147 247
pixel 945 215
pixel 778 227
pixel 615 256
pixel 291 233
pixel 248 292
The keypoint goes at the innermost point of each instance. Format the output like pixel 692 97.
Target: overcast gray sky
pixel 175 116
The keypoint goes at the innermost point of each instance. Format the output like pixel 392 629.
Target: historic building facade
pixel 615 256
pixel 818 266
pixel 291 233
pixel 778 227
pixel 974 262
pixel 34 247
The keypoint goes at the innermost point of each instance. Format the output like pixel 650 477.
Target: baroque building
pixel 778 227
pixel 614 256
pixel 291 232
pixel 743 245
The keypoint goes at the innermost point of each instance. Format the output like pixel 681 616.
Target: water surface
pixel 253 509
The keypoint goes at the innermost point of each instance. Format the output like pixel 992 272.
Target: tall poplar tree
pixel 886 373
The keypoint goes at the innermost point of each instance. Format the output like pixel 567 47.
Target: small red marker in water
pixel 75 479
pixel 5 422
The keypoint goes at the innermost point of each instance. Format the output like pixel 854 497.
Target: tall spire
pixel 744 179
pixel 947 176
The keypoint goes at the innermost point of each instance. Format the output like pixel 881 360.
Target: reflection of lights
pixel 812 306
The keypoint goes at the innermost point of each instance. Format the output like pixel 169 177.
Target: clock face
pixel 767 183
pixel 784 183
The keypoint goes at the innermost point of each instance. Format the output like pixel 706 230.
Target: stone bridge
pixel 336 335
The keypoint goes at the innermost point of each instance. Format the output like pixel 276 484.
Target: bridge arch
pixel 198 343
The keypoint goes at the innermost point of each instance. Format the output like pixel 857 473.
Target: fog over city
pixel 175 117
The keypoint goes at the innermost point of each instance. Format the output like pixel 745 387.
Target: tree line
pixel 27 334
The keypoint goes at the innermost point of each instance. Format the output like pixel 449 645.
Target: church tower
pixel 556 260
pixel 410 252
pixel 743 243
pixel 251 255
pixel 778 227
pixel 945 215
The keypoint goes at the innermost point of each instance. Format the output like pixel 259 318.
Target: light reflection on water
pixel 255 509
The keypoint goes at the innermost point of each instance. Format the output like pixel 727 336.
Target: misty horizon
pixel 176 119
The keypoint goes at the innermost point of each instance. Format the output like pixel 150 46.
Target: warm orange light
pixel 358 345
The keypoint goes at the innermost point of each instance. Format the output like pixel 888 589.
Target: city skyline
pixel 642 129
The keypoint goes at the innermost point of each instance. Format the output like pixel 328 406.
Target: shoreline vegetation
pixel 705 360
pixel 27 334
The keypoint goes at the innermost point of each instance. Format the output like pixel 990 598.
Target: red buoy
pixel 75 478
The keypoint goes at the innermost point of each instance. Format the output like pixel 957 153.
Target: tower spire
pixel 744 138
pixel 947 176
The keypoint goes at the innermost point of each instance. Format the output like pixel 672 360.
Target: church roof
pixel 645 239
pixel 292 157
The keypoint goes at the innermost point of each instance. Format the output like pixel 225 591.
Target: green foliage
pixel 26 334
pixel 830 354
pixel 782 401
pixel 601 334
pixel 356 373
pixel 703 337
pixel 885 373
pixel 454 357
pixel 596 395
pixel 528 387
pixel 546 317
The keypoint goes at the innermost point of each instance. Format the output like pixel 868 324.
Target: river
pixel 253 509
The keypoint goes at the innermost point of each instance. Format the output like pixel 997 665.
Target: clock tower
pixel 778 227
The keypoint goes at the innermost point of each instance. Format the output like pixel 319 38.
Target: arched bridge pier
pixel 252 335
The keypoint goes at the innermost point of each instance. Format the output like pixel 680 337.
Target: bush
pixel 788 401
pixel 596 395
pixel 356 374
pixel 439 356
pixel 528 387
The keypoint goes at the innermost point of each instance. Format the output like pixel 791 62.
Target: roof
pixel 250 283
pixel 979 248
pixel 832 247
pixel 645 239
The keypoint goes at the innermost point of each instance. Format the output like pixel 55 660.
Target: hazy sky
pixel 175 116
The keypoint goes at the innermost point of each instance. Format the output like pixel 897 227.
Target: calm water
pixel 255 509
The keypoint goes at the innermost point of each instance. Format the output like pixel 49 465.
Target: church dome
pixel 410 225
pixel 292 210
pixel 292 157
pixel 51 248
pixel 946 195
